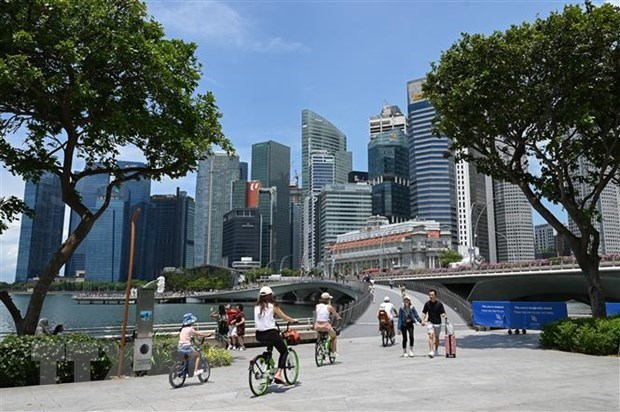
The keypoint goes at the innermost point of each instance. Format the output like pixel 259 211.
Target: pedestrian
pixel 239 327
pixel 371 287
pixel 231 314
pixel 221 331
pixel 433 312
pixel 407 315
pixel 42 328
pixel 391 284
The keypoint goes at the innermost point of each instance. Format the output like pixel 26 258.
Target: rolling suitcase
pixel 450 340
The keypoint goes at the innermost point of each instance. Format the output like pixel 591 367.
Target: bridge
pixel 292 290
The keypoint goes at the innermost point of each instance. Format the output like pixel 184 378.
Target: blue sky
pixel 266 61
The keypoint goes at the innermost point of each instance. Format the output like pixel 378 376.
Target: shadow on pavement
pixel 489 341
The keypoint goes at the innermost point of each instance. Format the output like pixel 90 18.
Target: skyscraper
pixel 41 236
pixel 432 175
pixel 242 235
pixel 171 233
pixel 213 197
pixel 317 133
pixel 390 118
pixel 544 240
pixel 513 223
pixel 388 173
pixel 295 195
pixel 271 166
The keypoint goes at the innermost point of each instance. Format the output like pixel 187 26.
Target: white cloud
pixel 9 244
pixel 217 24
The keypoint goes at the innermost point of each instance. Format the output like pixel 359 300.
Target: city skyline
pixel 305 56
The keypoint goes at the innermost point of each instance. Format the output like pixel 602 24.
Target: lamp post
pixel 472 249
pixel 282 262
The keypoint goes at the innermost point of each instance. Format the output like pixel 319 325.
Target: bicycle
pixel 323 349
pixel 387 333
pixel 184 368
pixel 263 368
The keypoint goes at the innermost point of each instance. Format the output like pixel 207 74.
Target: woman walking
pixel 406 316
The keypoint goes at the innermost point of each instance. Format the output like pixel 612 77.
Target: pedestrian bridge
pixel 297 291
pixel 545 283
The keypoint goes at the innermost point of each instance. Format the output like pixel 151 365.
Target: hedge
pixel 20 357
pixel 592 336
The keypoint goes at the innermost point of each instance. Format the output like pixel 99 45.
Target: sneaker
pixel 230 347
pixel 242 348
pixel 335 354
pixel 198 372
pixel 431 354
pixel 410 353
pixel 404 355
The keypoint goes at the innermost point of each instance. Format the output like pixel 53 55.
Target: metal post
pixel 134 217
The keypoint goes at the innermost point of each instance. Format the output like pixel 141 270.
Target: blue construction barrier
pixel 612 308
pixel 517 315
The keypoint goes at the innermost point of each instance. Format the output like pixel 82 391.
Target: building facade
pixel 390 118
pixel 242 236
pixel 544 241
pixel 40 236
pixel 432 175
pixel 514 231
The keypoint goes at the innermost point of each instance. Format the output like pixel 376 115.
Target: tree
pixel 449 256
pixel 81 79
pixel 544 93
pixel 10 208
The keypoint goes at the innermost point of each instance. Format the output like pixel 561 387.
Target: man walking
pixel 433 312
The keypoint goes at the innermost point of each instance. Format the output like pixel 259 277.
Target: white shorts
pixel 433 329
pixel 233 331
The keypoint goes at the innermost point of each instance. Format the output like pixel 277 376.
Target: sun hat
pixel 265 290
pixel 189 319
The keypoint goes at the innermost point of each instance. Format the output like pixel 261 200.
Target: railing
pixel 350 312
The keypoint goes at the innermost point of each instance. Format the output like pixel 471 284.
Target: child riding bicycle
pixel 185 339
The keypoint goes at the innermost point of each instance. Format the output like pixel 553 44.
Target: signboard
pixel 415 91
pixel 612 308
pixel 518 315
pixel 253 190
pixel 144 313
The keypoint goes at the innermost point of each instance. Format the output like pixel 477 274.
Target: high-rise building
pixel 358 177
pixel 40 236
pixel 171 233
pixel 295 197
pixel 213 198
pixel 342 208
pixel 513 223
pixel 431 174
pixel 271 166
pixel 242 235
pixel 544 241
pixel 608 206
pixel 390 118
pixel 267 198
pixel 388 173
pixel 317 133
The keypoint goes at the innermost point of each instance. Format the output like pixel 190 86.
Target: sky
pixel 266 61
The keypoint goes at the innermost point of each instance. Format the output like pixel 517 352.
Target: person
pixel 266 332
pixel 185 340
pixel 58 329
pixel 390 309
pixel 239 328
pixel 371 287
pixel 231 314
pixel 222 325
pixel 406 317
pixel 323 310
pixel 403 290
pixel 433 312
pixel 391 284
pixel 42 328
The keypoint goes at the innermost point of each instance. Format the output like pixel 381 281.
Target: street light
pixel 472 248
pixel 282 262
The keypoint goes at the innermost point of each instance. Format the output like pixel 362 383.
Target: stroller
pixel 386 328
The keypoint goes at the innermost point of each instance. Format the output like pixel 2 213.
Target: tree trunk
pixel 589 264
pixel 28 324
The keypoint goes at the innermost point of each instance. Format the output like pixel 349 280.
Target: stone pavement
pixel 492 371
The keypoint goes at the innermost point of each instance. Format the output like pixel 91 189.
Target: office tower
pixel 475 212
pixel 608 206
pixel 171 233
pixel 296 196
pixel 213 197
pixel 243 170
pixel 242 235
pixel 267 198
pixel 107 247
pixel 343 208
pixel 432 175
pixel 513 223
pixel 317 133
pixel 271 166
pixel 322 171
pixel 544 241
pixel 390 118
pixel 40 236
pixel 388 173
pixel 358 177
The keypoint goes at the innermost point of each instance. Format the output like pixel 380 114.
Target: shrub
pixel 165 352
pixel 592 336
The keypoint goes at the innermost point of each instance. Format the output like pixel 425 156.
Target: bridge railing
pixel 350 312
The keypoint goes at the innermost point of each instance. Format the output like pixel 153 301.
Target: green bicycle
pixel 263 368
pixel 323 349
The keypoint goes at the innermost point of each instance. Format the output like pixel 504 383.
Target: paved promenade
pixel 492 371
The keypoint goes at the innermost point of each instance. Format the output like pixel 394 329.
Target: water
pixel 61 308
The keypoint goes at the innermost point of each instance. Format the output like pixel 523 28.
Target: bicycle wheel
pixel 259 375
pixel 384 337
pixel 206 369
pixel 319 353
pixel 178 373
pixel 291 370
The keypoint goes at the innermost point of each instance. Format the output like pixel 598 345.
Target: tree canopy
pixel 544 94
pixel 81 80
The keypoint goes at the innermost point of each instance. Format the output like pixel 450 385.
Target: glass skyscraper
pixel 271 166
pixel 41 236
pixel 213 197
pixel 388 173
pixel 432 176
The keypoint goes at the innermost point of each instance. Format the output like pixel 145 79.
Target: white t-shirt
pixel 265 322
pixel 389 308
pixel 322 312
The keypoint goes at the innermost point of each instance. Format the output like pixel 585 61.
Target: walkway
pixel 493 371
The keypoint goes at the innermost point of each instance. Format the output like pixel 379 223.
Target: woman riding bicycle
pixel 185 339
pixel 266 331
pixel 323 310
